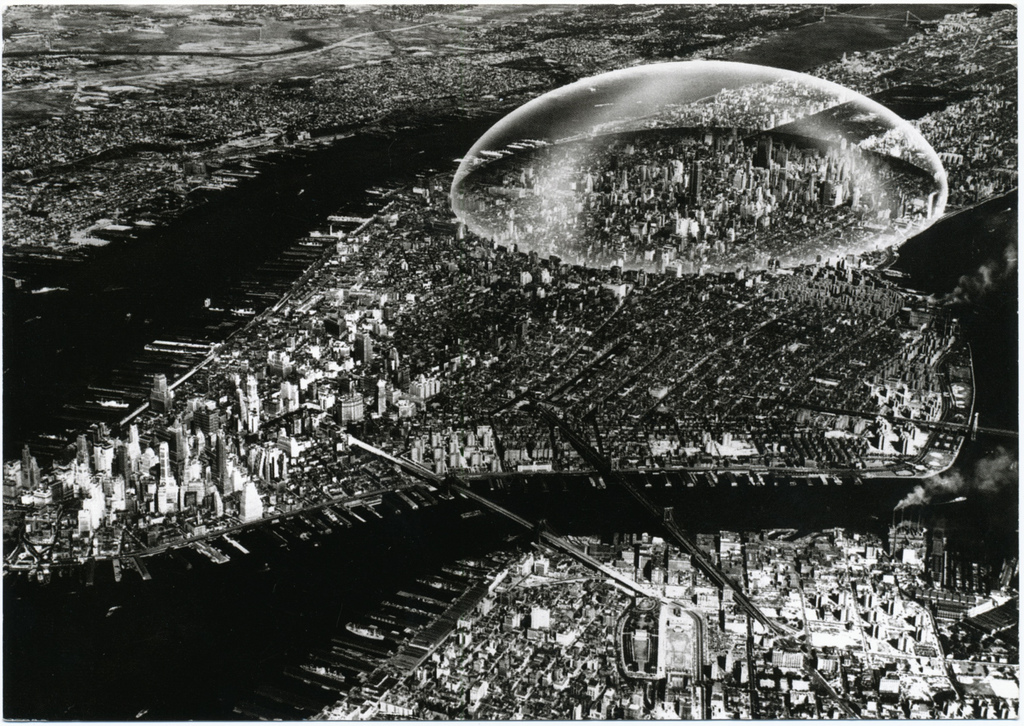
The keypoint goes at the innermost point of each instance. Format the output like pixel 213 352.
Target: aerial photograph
pixel 510 362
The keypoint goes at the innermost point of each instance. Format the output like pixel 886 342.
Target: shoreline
pixel 234 169
pixel 726 477
pixel 270 309
pixel 573 484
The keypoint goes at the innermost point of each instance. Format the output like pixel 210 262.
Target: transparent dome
pixel 700 165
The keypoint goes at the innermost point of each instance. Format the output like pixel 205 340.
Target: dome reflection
pixel 702 165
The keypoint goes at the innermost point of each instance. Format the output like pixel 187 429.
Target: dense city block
pixel 704 299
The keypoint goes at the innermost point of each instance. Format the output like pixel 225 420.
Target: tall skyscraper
pixel 251 389
pixel 82 451
pixel 253 404
pixel 222 462
pixel 181 447
pixel 123 462
pixel 166 473
pixel 103 458
pixel 696 178
pixel 160 396
pixel 166 489
pixel 364 349
pixel 29 469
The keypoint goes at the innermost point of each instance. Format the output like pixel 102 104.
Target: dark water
pixel 937 261
pixel 191 644
pixel 578 510
pixel 864 29
pixel 947 259
pixel 56 343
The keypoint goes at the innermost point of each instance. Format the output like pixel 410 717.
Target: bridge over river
pixel 700 559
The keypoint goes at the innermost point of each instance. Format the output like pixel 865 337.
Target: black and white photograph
pixel 492 362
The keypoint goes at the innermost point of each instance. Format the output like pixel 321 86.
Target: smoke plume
pixel 989 475
pixel 972 287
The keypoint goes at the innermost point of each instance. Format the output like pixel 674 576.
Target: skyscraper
pixel 160 396
pixel 364 349
pixel 181 447
pixel 29 469
pixel 82 451
pixel 696 177
pixel 252 394
pixel 253 404
pixel 166 473
pixel 222 462
pixel 123 462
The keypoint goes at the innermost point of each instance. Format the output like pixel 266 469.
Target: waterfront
pixel 213 632
pixel 91 328
pixel 217 632
pixel 225 633
pixel 957 248
pixel 105 309
pixel 199 638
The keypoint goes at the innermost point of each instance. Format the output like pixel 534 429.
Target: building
pixel 252 506
pixel 788 659
pixel 363 352
pixel 350 408
pixel 160 396
pixel 207 418
pixel 424 388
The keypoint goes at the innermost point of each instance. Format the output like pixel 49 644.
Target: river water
pixel 193 642
pixel 132 292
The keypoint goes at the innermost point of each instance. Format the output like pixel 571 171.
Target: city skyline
pixel 707 382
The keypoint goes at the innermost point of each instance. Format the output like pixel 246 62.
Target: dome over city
pixel 699 166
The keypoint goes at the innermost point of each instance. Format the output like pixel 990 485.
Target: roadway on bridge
pixel 456 485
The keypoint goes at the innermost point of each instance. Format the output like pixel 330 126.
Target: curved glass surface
pixel 699 165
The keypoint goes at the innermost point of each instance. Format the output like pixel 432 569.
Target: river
pixel 105 309
pixel 192 643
